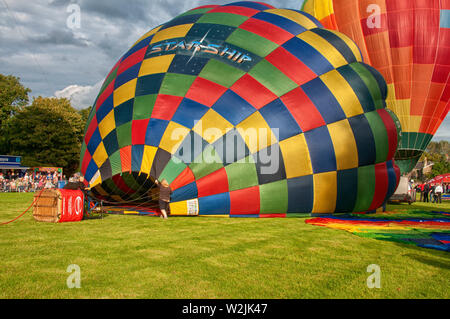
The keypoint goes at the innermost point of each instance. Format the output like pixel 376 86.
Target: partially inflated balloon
pixel 408 41
pixel 246 110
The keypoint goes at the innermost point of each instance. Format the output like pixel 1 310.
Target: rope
pixel 34 201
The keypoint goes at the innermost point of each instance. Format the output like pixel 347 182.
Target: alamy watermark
pixel 374 19
pixel 73 21
pixel 374 280
pixel 74 279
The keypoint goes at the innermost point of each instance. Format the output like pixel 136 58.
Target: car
pixel 404 193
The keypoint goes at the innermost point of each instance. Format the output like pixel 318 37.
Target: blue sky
pixel 52 59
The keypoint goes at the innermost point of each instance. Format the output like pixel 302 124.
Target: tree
pixel 13 97
pixel 84 116
pixel 47 133
pixel 439 168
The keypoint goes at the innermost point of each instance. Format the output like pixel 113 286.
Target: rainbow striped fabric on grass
pixel 420 228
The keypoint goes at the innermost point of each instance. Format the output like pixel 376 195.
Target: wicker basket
pixel 47 208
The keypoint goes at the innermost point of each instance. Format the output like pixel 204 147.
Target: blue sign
pixel 7 160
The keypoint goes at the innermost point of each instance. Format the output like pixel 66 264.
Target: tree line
pixel 46 131
pixel 438 153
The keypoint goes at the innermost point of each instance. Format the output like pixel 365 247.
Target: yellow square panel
pixel 212 126
pixel 296 157
pixel 178 31
pixel 325 192
pixel 147 159
pixel 173 137
pixel 256 133
pixel 96 180
pixel 159 64
pixel 149 33
pixel 414 123
pixel 352 45
pixel 343 93
pixel 125 92
pixel 178 208
pixel 100 155
pixel 295 16
pixel 107 124
pixel 325 48
pixel 322 9
pixel 344 144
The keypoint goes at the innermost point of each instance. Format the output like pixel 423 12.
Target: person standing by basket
pixel 164 196
pixel 438 191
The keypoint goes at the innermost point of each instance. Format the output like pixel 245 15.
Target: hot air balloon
pixel 245 110
pixel 408 41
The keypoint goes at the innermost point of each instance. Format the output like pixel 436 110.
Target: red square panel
pixel 205 92
pixel 125 158
pixel 381 185
pixel 303 109
pixel 214 183
pixel 165 106
pixel 243 11
pixel 252 91
pixel 245 201
pixel 266 30
pixel 138 130
pixel 105 94
pixel 133 59
pixel 291 66
pixel 120 183
pixel 86 159
pixel 91 129
pixel 184 178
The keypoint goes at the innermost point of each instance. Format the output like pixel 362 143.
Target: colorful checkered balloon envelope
pixel 246 110
pixel 408 41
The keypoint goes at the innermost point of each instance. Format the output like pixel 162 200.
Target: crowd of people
pixel 11 181
pixel 432 193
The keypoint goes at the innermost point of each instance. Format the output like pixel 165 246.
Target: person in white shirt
pixel 438 191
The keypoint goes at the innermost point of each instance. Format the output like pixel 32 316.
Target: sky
pixel 57 52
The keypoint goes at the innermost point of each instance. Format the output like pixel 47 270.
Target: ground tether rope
pixel 34 201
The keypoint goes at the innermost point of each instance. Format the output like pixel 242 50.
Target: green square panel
pixel 195 11
pixel 111 185
pixel 116 163
pixel 206 163
pixel 130 181
pixel 242 174
pixel 176 84
pixel 143 106
pixel 233 20
pixel 251 42
pixel 109 79
pixel 173 168
pixel 221 73
pixel 124 135
pixel 366 188
pixel 370 82
pixel 380 135
pixel 274 197
pixel 272 78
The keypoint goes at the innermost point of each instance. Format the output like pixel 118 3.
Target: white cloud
pixel 80 96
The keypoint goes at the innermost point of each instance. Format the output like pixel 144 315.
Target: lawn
pixel 207 257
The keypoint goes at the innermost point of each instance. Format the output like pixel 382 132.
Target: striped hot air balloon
pixel 245 110
pixel 408 41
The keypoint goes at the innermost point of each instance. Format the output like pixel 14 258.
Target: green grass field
pixel 206 257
